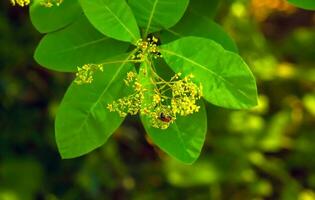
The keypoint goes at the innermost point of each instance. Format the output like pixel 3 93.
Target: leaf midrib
pixel 209 70
pixel 120 22
pixel 151 17
pixel 80 46
pixel 181 139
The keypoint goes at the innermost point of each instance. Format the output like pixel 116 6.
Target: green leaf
pixel 305 4
pixel 113 18
pixel 184 139
pixel 192 24
pixel 226 79
pixel 76 45
pixel 205 8
pixel 83 122
pixel 154 15
pixel 46 20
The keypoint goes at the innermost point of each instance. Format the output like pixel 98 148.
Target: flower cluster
pixel 158 100
pixel 177 97
pixel 185 93
pixel 86 72
pixel 168 99
pixel 130 104
pixel 45 3
pixel 147 47
pixel 20 2
pixel 51 3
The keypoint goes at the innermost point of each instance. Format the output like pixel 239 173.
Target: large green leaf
pixel 226 79
pixel 83 122
pixel 306 4
pixel 154 15
pixel 113 18
pixel 78 44
pixel 184 139
pixel 205 8
pixel 51 19
pixel 192 24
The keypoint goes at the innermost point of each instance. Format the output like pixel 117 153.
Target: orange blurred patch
pixel 261 9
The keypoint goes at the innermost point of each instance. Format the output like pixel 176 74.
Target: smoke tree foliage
pixel 161 59
pixel 305 4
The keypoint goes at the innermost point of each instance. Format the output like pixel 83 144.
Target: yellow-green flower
pixel 86 72
pixel 45 3
pixel 20 2
pixel 50 3
pixel 162 109
pixel 147 47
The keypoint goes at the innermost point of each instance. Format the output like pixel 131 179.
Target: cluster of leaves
pixel 102 32
pixel 270 149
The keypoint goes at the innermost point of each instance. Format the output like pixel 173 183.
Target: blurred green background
pixel 265 153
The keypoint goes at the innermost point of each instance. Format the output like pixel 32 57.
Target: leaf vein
pixel 151 17
pixel 209 70
pixel 119 21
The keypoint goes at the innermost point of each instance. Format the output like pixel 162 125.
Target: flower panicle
pixel 177 97
pixel 147 47
pixel 85 73
pixel 130 104
pixel 185 95
pixel 45 3
pixel 21 3
pixel 51 3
